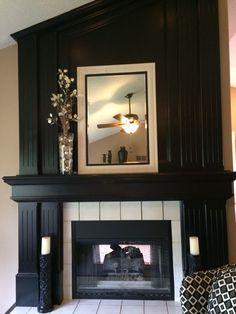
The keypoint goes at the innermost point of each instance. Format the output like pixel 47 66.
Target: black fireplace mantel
pixel 127 187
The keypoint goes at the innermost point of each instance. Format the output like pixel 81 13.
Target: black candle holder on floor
pixel 194 263
pixel 45 287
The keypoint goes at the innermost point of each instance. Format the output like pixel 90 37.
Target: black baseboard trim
pixel 10 309
pixel 27 289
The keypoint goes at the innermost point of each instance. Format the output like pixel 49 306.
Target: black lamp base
pixel 45 287
pixel 194 263
pixel 44 308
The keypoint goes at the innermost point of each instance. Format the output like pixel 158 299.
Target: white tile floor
pixel 109 307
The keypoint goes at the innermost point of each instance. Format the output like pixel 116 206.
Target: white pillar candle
pixel 194 246
pixel 46 245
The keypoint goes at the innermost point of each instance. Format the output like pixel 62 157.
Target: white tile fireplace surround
pixel 95 211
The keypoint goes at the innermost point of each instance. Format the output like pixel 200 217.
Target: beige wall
pixel 233 107
pixel 9 152
pixel 226 121
pixel 232 213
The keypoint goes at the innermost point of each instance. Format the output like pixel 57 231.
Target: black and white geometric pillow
pixel 194 291
pixel 222 298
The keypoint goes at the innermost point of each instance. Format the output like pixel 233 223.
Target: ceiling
pixel 16 15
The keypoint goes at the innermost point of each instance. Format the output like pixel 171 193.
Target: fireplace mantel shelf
pixel 126 187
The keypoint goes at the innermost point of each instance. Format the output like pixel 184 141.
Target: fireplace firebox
pixel 122 259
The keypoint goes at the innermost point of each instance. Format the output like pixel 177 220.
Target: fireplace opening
pixel 122 259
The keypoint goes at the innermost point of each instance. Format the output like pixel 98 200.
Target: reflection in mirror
pixel 117 126
pixel 117 131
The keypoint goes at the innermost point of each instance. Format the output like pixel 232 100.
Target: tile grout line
pixel 77 304
pixel 121 306
pixel 78 210
pixel 141 205
pixel 163 210
pixel 99 211
pixel 167 308
pixel 100 301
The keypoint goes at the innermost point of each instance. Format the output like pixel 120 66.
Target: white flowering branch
pixel 63 103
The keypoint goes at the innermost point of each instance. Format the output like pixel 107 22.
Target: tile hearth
pixel 109 307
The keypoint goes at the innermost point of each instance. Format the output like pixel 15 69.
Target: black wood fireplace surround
pixel 181 37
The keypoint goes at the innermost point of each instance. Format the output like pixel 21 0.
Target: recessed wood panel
pixel 52 225
pixel 48 146
pixel 28 104
pixel 207 220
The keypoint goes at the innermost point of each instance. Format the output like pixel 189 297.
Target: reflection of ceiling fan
pixel 129 122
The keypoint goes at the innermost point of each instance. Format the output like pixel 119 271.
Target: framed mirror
pixel 117 130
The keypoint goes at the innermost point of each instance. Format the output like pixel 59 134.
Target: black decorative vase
pixel 122 154
pixel 45 286
pixel 109 157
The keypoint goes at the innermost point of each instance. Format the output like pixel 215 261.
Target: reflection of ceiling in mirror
pixel 106 98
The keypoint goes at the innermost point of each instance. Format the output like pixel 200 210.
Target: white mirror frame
pixel 152 166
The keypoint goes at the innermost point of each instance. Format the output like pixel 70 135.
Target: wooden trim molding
pixel 161 186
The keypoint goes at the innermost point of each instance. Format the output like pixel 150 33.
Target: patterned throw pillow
pixel 194 291
pixel 222 298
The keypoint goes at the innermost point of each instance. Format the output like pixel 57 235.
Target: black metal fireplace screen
pixel 122 259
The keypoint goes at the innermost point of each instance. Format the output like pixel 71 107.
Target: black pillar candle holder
pixel 194 263
pixel 45 286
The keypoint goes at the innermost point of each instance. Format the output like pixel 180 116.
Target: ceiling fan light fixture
pixel 132 123
pixel 131 128
pixel 128 122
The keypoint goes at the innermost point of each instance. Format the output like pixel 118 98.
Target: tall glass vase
pixel 66 153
